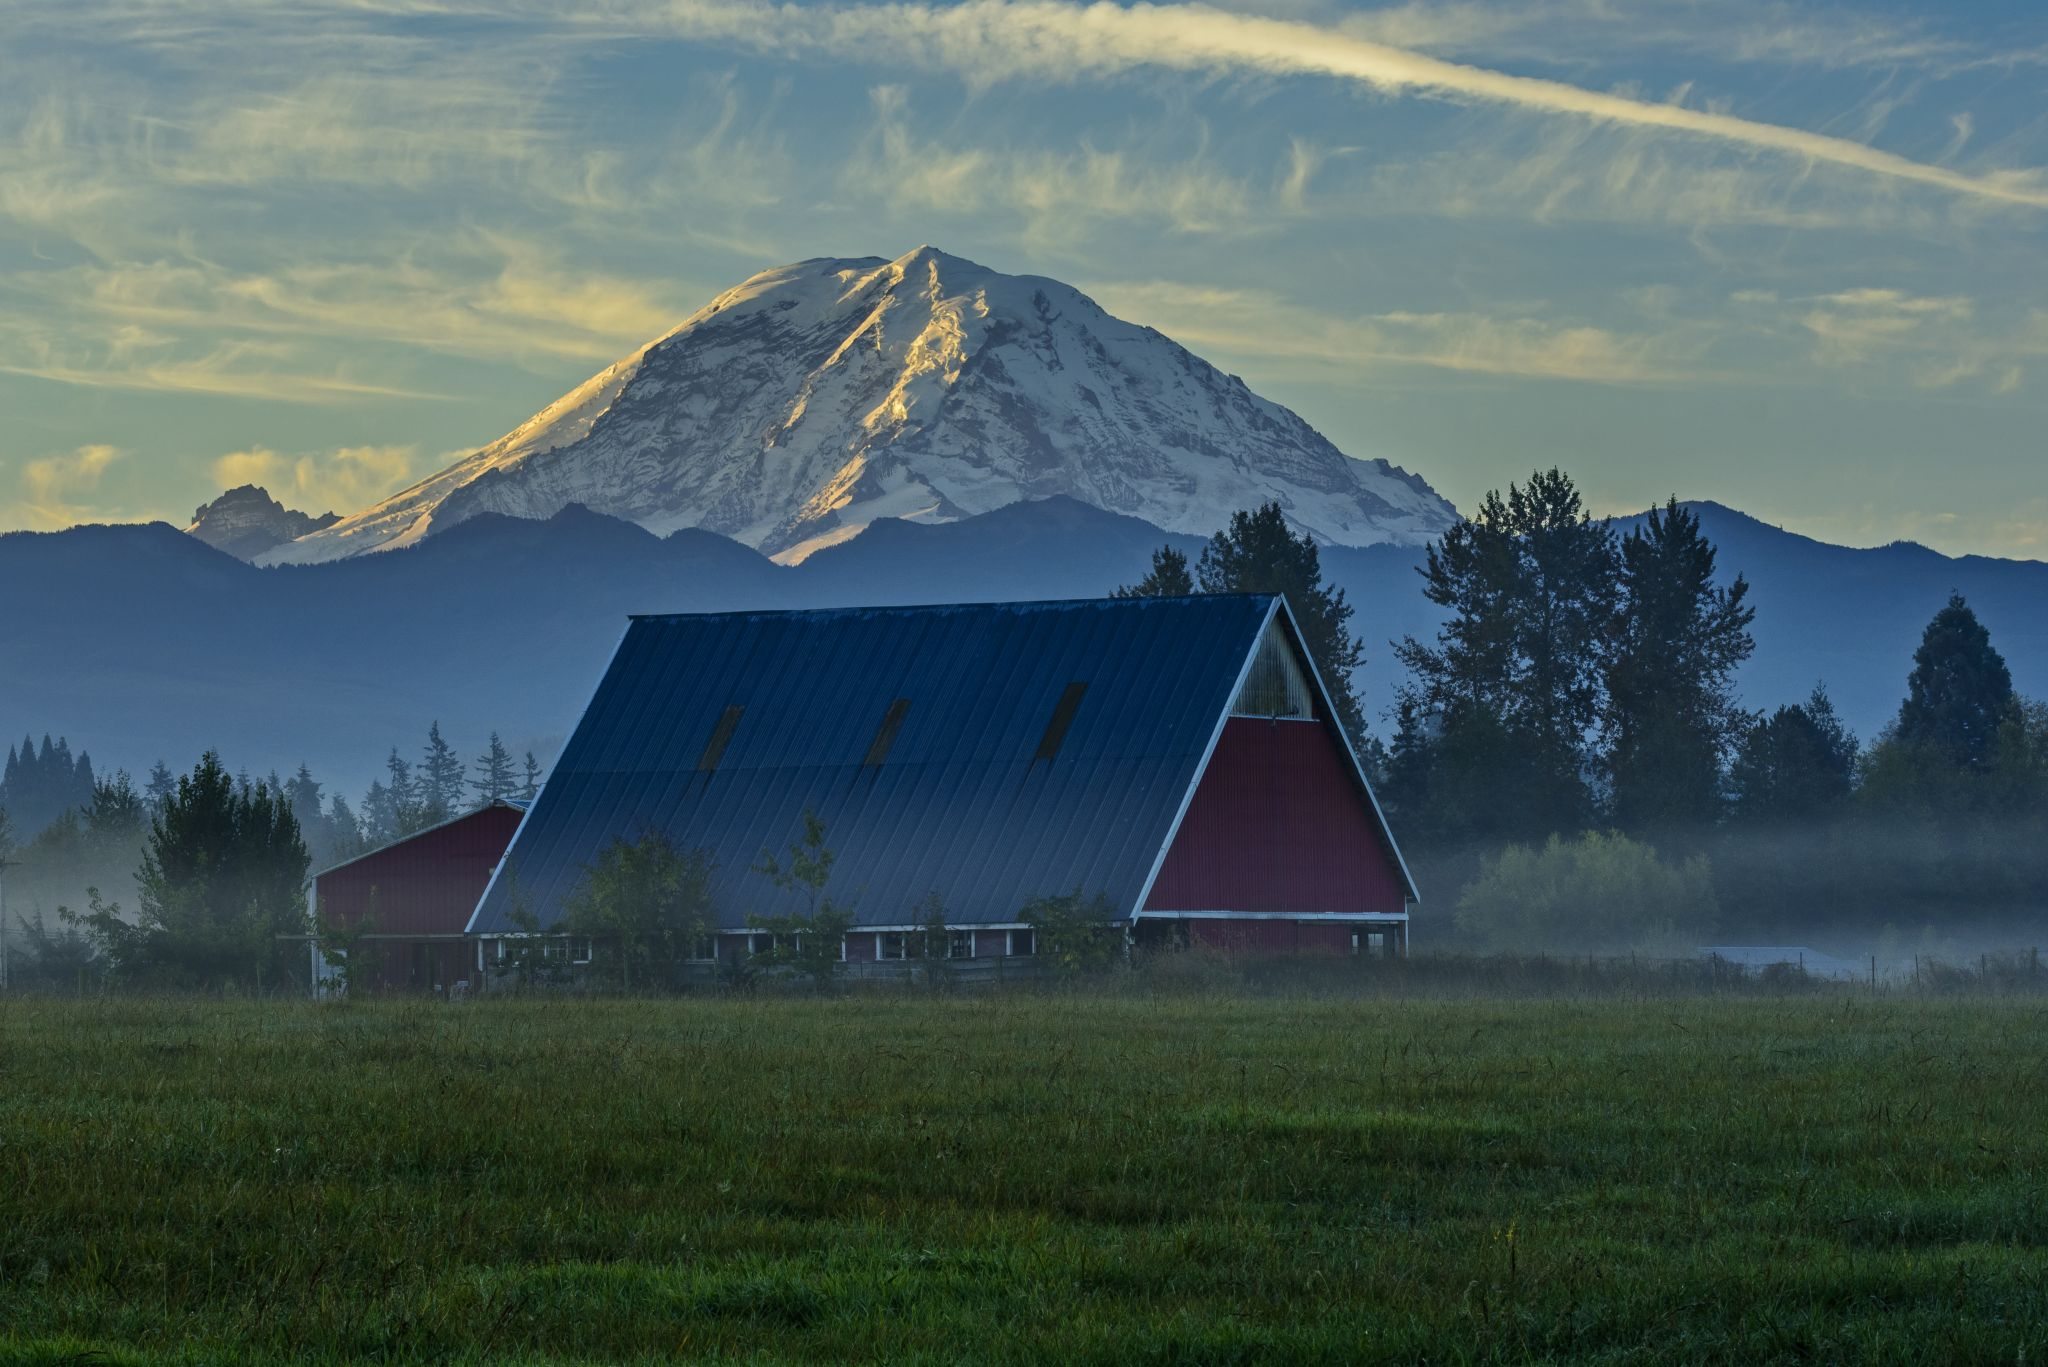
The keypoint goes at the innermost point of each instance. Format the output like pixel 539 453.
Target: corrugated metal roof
pixel 960 804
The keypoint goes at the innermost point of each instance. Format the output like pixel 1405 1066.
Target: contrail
pixel 999 39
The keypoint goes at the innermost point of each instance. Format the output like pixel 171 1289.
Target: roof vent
pixel 885 734
pixel 1062 718
pixel 721 736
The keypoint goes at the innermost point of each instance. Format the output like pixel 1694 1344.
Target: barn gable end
pixel 1282 831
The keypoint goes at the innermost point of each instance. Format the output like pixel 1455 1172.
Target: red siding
pixel 427 885
pixel 1279 824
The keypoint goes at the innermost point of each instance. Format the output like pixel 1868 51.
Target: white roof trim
pixel 469 926
pixel 1223 717
pixel 1329 709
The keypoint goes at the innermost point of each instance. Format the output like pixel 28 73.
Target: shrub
pixel 1597 893
pixel 1075 934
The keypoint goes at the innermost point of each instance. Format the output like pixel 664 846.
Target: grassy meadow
pixel 1027 1178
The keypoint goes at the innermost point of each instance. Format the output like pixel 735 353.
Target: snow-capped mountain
pixel 246 521
pixel 813 399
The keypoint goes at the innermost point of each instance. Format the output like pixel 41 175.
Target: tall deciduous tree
pixel 1505 701
pixel 1671 717
pixel 1259 553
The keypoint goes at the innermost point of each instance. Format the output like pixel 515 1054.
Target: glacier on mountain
pixel 811 400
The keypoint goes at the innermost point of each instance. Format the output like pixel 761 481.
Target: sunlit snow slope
pixel 797 408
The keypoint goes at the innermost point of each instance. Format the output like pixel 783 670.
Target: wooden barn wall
pixel 1278 824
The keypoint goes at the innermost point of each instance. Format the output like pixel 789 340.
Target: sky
pixel 1786 256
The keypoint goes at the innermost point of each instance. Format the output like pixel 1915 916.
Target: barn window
pixel 579 951
pixel 892 945
pixel 1062 717
pixel 960 945
pixel 885 734
pixel 721 736
pixel 704 947
pixel 1023 942
pixel 1277 685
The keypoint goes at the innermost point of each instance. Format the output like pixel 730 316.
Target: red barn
pixel 412 898
pixel 1174 761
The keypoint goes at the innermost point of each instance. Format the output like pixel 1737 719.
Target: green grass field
pixel 1025 1178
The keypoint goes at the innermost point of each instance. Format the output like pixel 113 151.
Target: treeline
pixel 93 854
pixel 41 784
pixel 1570 769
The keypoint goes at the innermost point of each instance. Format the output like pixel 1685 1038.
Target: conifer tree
pixel 1169 578
pixel 221 887
pixel 1259 553
pixel 440 778
pixel 162 783
pixel 1796 766
pixel 344 832
pixel 495 777
pixel 1959 693
pixel 529 787
pixel 1671 717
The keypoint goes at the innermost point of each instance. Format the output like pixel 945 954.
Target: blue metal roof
pixel 960 806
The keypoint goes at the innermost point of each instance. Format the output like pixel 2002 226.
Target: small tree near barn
pixel 808 942
pixel 1075 934
pixel 348 947
pixel 935 939
pixel 645 900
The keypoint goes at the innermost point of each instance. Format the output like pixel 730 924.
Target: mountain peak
pixel 246 521
pixel 809 400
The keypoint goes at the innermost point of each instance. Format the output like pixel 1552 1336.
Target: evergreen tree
pixel 529 787
pixel 41 784
pixel 495 777
pixel 1169 578
pixel 344 832
pixel 1671 713
pixel 162 783
pixel 394 807
pixel 379 820
pixel 1259 553
pixel 302 791
pixel 440 779
pixel 1796 766
pixel 1959 693
pixel 1505 701
pixel 222 882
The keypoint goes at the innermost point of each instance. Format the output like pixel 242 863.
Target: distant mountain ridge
pixel 812 400
pixel 246 521
pixel 140 643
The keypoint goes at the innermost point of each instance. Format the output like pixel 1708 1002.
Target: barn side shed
pixel 410 901
pixel 1177 758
